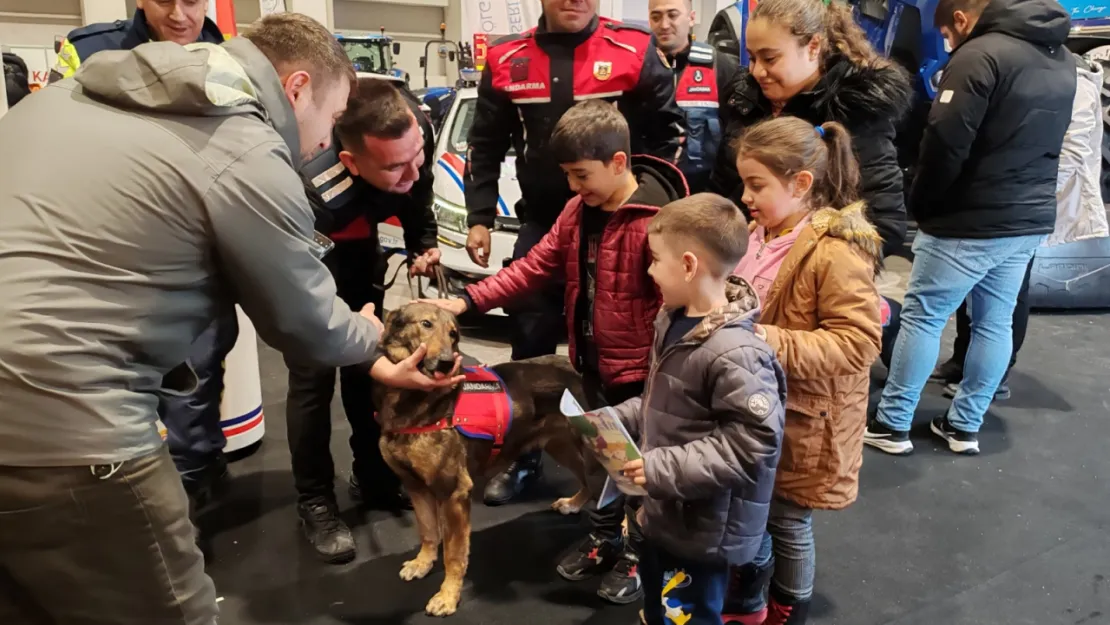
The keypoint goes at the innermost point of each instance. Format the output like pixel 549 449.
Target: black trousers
pixel 1021 324
pixel 193 431
pixel 356 267
pixel 606 522
pixel 538 322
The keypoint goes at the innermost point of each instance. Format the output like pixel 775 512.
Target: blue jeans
pixel 986 272
pixel 679 591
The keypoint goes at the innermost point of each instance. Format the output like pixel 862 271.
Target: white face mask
pixel 947 47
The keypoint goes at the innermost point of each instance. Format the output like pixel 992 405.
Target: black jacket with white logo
pixel 991 150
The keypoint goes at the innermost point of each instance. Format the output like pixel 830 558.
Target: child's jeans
pixel 788 547
pixel 679 591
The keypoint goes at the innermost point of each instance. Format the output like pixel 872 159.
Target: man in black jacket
pixel 532 79
pixel 379 167
pixel 984 198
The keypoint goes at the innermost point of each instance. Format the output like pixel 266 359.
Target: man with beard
pixel 379 166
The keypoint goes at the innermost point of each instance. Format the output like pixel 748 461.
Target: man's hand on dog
pixel 407 374
pixel 635 469
pixel 368 312
pixel 454 306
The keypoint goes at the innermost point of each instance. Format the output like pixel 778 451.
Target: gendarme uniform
pixel 86 41
pixel 700 77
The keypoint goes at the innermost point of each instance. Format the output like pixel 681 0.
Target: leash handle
pixel 417 291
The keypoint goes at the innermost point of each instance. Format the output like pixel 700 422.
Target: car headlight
pixel 450 216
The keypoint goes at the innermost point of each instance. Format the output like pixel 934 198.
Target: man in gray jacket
pixel 179 198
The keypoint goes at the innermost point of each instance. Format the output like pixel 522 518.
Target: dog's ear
pixel 389 320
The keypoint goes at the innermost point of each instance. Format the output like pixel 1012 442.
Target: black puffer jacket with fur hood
pixel 870 100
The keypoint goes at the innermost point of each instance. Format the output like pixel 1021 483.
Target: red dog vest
pixel 483 410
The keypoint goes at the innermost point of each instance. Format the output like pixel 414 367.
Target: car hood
pixel 449 172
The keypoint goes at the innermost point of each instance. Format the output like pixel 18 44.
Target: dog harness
pixel 483 410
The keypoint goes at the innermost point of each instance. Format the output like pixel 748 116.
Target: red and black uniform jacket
pixel 532 79
pixel 626 299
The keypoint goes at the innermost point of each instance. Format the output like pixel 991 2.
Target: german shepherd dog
pixel 435 465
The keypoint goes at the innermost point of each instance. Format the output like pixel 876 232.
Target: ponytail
pixel 840 184
pixel 789 145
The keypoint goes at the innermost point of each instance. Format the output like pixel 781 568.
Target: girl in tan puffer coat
pixel 812 257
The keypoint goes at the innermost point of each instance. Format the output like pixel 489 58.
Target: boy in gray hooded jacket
pixel 711 418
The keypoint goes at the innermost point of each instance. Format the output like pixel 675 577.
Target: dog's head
pixel 415 323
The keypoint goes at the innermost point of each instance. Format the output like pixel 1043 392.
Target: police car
pixel 450 205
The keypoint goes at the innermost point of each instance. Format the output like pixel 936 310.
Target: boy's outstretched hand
pixel 634 469
pixel 454 306
pixel 407 374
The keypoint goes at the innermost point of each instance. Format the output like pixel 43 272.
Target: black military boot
pixel 325 531
pixel 506 486
pixel 393 498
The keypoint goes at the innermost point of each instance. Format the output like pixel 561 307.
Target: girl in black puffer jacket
pixel 811 60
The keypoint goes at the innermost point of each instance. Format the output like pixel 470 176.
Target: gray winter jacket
pixel 154 189
pixel 710 428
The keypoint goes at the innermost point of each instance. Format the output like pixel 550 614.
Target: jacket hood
pixel 850 93
pixel 742 310
pixel 197 80
pixel 853 94
pixel 1040 22
pixel 660 182
pixel 851 224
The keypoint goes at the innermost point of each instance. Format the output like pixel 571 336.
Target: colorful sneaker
pixel 621 585
pixel 591 557
pixel 756 618
pixel 960 442
pixel 787 614
pixel 893 442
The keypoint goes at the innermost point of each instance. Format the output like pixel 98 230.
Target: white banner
pixel 497 18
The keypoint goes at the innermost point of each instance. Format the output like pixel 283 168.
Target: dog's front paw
pixel 444 603
pixel 416 569
pixel 567 505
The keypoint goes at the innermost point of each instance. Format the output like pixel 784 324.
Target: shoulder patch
pixel 624 26
pixel 759 405
pixel 96 29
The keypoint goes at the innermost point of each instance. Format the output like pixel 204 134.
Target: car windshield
pixel 461 127
pixel 367 56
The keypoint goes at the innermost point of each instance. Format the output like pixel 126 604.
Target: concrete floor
pixel 1017 535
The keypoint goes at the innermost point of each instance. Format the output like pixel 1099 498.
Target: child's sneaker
pixel 588 558
pixel 894 442
pixel 960 442
pixel 622 584
pixel 786 614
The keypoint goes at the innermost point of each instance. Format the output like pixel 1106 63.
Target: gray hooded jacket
pixel 710 428
pixel 153 190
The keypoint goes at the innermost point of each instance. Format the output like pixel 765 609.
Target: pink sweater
pixel 761 264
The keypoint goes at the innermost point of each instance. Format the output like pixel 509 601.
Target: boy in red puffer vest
pixel 599 247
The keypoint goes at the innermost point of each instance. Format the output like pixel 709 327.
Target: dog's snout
pixel 445 364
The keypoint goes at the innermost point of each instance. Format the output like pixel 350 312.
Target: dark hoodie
pixel 611 310
pixel 991 150
pixel 869 99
